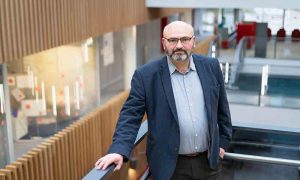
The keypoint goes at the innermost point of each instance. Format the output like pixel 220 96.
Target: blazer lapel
pixel 205 83
pixel 167 86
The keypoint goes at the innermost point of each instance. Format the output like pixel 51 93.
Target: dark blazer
pixel 151 92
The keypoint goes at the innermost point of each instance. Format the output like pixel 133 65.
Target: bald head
pixel 178 27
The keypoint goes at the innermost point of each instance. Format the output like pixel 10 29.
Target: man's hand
pixel 222 152
pixel 106 160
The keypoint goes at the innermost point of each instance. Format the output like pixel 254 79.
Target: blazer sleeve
pixel 130 119
pixel 224 118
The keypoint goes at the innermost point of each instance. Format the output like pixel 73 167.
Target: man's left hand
pixel 222 152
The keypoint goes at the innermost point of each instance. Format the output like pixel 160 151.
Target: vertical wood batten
pixel 36 31
pixel 1 41
pixel 44 24
pixel 30 21
pixel 17 28
pixel 25 163
pixel 54 23
pixel 6 30
pixel 65 32
pixel 26 30
pixel 22 30
pixel 13 30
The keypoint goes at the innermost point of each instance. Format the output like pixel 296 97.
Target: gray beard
pixel 182 57
pixel 176 57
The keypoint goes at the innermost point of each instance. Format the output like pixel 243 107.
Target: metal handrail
pixel 239 60
pixel 271 160
pixel 232 36
pixel 101 174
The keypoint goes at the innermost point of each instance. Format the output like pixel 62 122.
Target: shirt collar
pixel 172 67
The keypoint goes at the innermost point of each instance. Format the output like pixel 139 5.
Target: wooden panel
pixel 20 170
pixel 2 175
pixel 36 25
pixel 57 156
pixel 40 162
pixel 2 49
pixel 13 171
pixel 25 166
pixel 54 158
pixel 48 147
pixel 203 46
pixel 7 174
pixel 80 146
pixel 6 30
pixel 36 165
pixel 30 166
pixel 42 149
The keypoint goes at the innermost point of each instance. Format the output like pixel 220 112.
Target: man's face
pixel 178 43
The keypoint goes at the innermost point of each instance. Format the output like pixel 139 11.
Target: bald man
pixel 189 125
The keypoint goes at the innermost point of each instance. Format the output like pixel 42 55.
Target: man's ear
pixel 163 44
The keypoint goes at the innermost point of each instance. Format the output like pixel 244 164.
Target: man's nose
pixel 179 44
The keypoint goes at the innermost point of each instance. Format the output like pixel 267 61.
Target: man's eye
pixel 185 39
pixel 173 40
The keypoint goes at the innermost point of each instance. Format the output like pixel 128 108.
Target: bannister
pixel 244 157
pixel 238 60
pixel 101 174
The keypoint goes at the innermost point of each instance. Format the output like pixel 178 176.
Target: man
pixel 183 95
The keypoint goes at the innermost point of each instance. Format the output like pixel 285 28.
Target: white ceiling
pixel 286 4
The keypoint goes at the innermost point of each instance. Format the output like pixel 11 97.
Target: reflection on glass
pixel 264 79
pixel 226 72
pixel 2 99
pixel 277 85
pixel 67 101
pixel 85 53
pixel 76 93
pixel 54 101
pixel 43 96
pixel 36 87
pixel 30 80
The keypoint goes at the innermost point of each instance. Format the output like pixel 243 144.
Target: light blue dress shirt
pixel 190 106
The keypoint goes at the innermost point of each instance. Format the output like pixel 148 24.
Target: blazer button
pixel 176 149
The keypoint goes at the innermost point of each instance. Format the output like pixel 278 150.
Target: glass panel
pixel 264 143
pixel 246 170
pixel 277 48
pixel 51 89
pixel 4 148
pixel 281 88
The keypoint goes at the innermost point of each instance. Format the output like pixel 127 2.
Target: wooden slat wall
pixel 72 152
pixel 27 27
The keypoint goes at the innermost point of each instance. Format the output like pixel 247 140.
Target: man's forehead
pixel 178 27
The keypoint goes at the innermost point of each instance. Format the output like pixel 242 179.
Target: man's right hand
pixel 106 160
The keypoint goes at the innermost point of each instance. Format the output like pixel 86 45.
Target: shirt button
pixel 196 147
pixel 191 105
pixel 196 134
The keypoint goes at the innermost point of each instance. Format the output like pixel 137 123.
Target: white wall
pixel 292 4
